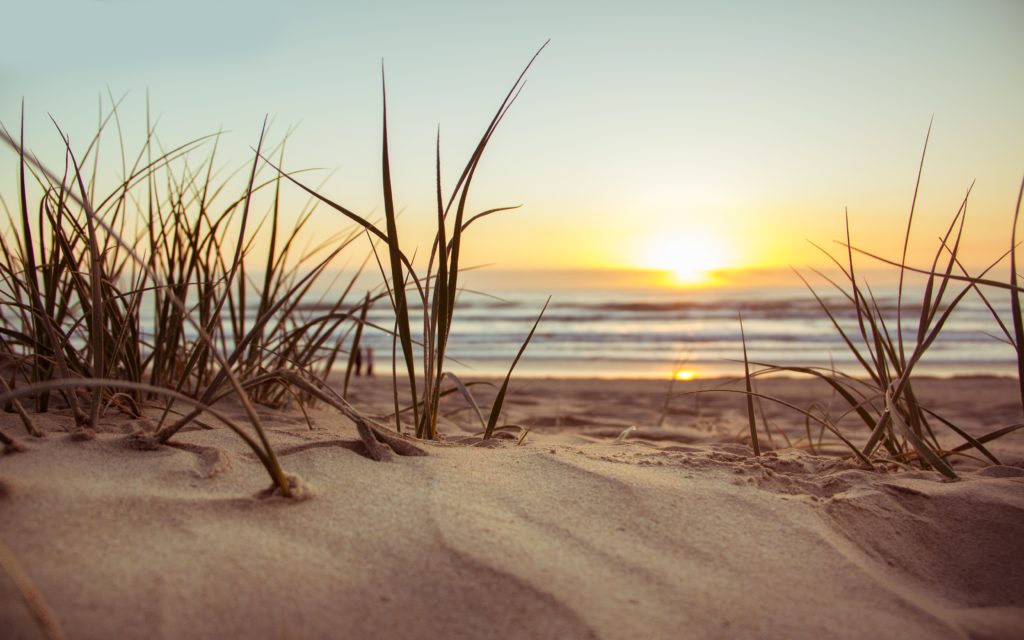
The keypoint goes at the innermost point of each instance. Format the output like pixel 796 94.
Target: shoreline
pixel 714 378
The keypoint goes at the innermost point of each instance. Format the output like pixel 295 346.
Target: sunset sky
pixel 671 135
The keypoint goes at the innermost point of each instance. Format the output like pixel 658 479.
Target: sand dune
pixel 566 535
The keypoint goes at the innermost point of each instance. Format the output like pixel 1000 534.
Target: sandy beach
pixel 673 531
pixel 550 230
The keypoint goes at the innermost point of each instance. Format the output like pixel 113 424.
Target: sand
pixel 676 532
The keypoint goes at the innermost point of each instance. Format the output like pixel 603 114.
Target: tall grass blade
pixel 1015 306
pixel 499 400
pixel 395 255
pixel 906 243
pixel 750 395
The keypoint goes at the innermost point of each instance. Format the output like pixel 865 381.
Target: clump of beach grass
pixel 881 394
pixel 78 268
pixel 437 288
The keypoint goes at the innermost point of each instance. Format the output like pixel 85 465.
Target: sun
pixel 690 258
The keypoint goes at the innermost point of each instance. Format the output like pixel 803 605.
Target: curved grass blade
pixel 50 385
pixel 467 395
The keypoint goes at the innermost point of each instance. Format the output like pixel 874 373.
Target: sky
pixel 688 136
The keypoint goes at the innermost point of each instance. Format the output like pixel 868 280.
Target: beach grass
pixel 881 393
pixel 78 267
pixel 153 295
pixel 438 286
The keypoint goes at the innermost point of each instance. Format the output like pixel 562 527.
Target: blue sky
pixel 752 124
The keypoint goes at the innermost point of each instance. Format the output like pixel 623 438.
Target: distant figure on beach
pixel 369 361
pixel 359 362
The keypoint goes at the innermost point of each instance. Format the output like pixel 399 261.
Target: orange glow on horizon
pixel 687 258
pixel 685 374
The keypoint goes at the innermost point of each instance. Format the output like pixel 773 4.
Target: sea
pixel 659 333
